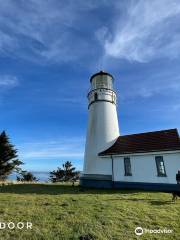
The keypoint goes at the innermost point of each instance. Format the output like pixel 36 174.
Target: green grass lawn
pixel 66 212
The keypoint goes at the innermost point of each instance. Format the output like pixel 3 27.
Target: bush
pixel 66 173
pixel 26 177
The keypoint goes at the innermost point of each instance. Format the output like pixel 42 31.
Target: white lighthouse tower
pixel 103 129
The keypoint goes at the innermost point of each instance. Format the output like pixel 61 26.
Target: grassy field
pixel 66 212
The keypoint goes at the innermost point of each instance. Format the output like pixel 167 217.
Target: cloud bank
pixel 68 31
pixel 64 148
pixel 148 30
pixel 45 31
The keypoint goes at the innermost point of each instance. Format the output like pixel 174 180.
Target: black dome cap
pixel 101 73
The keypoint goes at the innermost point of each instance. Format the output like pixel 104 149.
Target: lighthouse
pixel 148 160
pixel 102 130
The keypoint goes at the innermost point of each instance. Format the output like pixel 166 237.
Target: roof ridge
pixel 165 130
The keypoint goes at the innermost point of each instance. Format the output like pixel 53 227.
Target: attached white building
pixel 140 161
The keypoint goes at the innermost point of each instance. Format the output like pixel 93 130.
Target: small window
pixel 160 166
pixel 95 96
pixel 127 167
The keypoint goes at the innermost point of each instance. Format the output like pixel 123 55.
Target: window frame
pixel 159 159
pixel 95 96
pixel 126 172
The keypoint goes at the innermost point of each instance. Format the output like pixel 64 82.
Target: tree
pixel 9 161
pixel 66 173
pixel 26 177
pixel 69 171
pixel 57 175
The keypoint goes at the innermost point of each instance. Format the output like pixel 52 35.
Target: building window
pixel 160 166
pixel 127 166
pixel 95 96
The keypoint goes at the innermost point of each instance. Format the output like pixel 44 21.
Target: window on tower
pixel 95 96
pixel 127 166
pixel 102 82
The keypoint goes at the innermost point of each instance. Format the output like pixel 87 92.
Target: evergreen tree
pixel 67 173
pixel 26 177
pixel 57 175
pixel 9 161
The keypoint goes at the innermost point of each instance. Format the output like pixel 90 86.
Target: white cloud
pixel 59 31
pixel 44 31
pixel 8 81
pixel 52 153
pixel 163 83
pixel 71 148
pixel 149 30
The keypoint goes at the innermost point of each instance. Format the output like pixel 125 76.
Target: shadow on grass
pixel 60 189
pixel 151 201
pixel 147 200
pixel 57 189
pixel 161 202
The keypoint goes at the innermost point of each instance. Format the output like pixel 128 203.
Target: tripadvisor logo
pixel 18 225
pixel 139 231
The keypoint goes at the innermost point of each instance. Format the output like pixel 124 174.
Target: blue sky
pixel 49 50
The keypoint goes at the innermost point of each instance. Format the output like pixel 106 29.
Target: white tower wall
pixel 103 128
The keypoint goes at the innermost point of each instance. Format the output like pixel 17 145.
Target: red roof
pixel 165 140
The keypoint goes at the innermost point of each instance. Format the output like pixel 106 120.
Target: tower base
pixel 96 181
